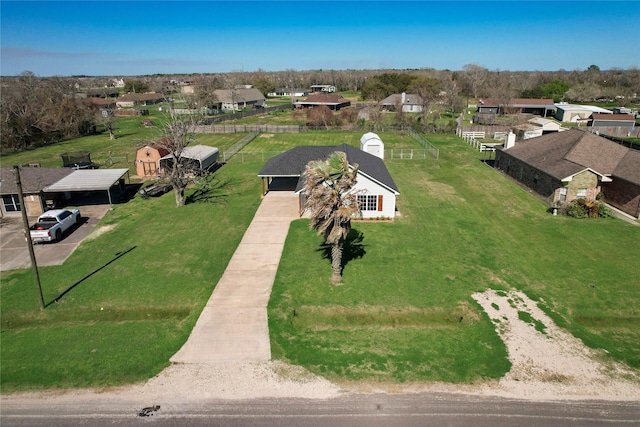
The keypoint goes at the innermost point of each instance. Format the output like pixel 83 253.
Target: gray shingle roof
pixel 33 179
pixel 292 163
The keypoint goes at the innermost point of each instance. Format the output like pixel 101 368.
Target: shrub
pixel 582 208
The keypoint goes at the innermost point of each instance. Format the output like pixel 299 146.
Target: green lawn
pixel 405 313
pixel 130 135
pixel 128 299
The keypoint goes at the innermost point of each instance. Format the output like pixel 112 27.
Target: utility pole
pixel 27 236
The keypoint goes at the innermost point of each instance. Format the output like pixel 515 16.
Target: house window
pixel 11 203
pixel 563 195
pixel 369 202
pixel 582 193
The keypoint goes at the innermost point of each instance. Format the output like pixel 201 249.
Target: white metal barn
pixel 199 157
pixel 372 144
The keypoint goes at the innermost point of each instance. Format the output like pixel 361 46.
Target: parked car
pixel 51 225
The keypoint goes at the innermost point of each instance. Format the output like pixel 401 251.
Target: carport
pixel 89 180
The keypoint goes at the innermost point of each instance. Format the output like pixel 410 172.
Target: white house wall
pixel 368 186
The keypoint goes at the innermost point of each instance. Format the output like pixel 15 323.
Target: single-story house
pixel 285 91
pixel 571 113
pixel 411 103
pixel 564 166
pixel 323 88
pixel 33 181
pixel 133 99
pixel 539 107
pixel 200 158
pixel 148 160
pixel 45 188
pixel 239 98
pixel 102 102
pixel 376 189
pixel 333 101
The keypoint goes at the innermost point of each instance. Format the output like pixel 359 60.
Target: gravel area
pixel 547 364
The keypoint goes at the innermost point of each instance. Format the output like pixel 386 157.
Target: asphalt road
pixel 14 252
pixel 370 410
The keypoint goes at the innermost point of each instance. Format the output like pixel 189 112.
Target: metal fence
pixel 248 113
pixel 233 150
pixel 408 154
pixel 426 144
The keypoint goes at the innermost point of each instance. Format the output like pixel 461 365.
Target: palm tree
pixel 331 204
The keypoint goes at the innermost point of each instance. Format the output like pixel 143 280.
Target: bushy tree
pixel 264 85
pixel 135 86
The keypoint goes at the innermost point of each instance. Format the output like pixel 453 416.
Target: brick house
pixel 575 164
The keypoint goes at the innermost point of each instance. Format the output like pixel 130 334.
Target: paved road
pixel 14 253
pixel 370 410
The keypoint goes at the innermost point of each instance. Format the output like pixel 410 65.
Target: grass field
pixel 404 313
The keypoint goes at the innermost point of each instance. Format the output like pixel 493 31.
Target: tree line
pixel 36 110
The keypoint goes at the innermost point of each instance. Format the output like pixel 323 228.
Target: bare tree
pixel 177 133
pixel 106 119
pixel 475 75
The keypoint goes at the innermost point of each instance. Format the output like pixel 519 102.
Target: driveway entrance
pixel 14 252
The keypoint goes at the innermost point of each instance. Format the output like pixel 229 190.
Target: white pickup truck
pixel 52 224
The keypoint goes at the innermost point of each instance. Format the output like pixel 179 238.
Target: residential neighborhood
pixel 443 217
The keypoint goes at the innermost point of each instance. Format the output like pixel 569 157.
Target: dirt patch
pixel 267 135
pixel 547 362
pixel 100 231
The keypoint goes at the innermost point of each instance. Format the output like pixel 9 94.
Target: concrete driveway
pixel 14 252
pixel 234 323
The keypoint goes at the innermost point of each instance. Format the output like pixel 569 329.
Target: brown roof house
pixel 148 160
pixel 239 98
pixel 575 164
pixel 331 100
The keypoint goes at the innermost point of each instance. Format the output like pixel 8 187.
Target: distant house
pixel 575 164
pixel 539 107
pixel 237 99
pixel 333 101
pixel 134 99
pixel 376 189
pixel 285 91
pixel 411 103
pixel 34 180
pixel 148 160
pixel 571 113
pixel 102 103
pixel 323 88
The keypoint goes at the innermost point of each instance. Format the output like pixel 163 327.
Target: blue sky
pixel 134 38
